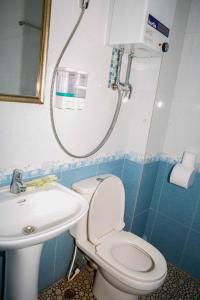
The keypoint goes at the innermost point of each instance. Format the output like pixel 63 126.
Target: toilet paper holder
pixel 183 173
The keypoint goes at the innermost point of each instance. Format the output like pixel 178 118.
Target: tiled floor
pixel 178 286
pixel 81 286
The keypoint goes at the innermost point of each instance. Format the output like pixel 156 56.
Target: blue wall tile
pixel 191 257
pixel 161 175
pixel 64 249
pixel 173 211
pixel 147 184
pixel 47 264
pixel 150 223
pixel 179 203
pixel 131 177
pixel 68 177
pixel 169 237
pixel 5 181
pixel 112 167
pixel 196 221
pixel 139 223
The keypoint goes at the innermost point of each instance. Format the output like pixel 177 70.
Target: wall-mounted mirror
pixel 24 30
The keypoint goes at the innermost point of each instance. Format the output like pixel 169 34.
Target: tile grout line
pixel 137 194
pixel 148 209
pixel 178 223
pixel 123 167
pixel 157 207
pixel 141 213
pixel 189 231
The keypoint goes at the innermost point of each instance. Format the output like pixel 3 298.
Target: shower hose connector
pixel 84 4
pixel 124 88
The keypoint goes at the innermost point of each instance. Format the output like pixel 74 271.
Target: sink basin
pixel 35 217
pixel 27 220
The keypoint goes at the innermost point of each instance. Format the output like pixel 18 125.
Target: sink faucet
pixel 17 184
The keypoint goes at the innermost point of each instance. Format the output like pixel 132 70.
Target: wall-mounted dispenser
pixel 71 88
pixel 141 25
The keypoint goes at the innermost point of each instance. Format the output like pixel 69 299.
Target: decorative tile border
pixel 52 167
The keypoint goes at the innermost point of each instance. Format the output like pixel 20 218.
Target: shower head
pixel 84 4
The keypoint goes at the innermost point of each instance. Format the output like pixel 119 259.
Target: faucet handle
pixel 17 174
pixel 17 184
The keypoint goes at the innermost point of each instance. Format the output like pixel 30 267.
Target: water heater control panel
pixel 142 25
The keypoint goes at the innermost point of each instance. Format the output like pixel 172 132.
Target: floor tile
pixel 175 278
pixel 191 258
pixel 178 286
pixel 80 288
pixel 190 290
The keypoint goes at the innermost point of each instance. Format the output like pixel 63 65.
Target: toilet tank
pixel 142 25
pixel 86 188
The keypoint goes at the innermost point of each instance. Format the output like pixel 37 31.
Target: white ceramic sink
pixel 50 211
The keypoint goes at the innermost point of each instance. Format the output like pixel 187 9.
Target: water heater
pixel 142 25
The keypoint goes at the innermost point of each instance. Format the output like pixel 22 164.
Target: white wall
pixel 144 93
pixel 27 140
pixel 184 122
pixel 167 81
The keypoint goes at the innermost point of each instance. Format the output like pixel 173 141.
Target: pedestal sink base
pixel 22 269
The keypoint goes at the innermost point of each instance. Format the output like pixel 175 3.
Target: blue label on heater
pixel 153 22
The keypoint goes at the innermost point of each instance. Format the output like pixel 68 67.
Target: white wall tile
pixel 167 81
pixel 146 73
pixel 184 121
pixel 194 17
pixel 26 134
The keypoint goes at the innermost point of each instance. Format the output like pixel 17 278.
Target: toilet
pixel 128 266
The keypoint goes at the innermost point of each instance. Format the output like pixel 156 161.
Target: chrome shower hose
pixel 117 110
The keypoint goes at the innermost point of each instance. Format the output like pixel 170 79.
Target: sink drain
pixel 29 229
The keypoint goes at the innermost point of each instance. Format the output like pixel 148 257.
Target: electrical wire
pixel 72 263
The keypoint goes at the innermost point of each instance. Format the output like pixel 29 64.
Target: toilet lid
pixel 106 210
pixel 132 256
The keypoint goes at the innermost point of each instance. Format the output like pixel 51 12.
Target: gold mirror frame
pixel 40 83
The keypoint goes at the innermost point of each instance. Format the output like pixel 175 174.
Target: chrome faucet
pixel 17 184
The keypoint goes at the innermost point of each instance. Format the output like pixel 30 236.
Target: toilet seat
pixel 132 257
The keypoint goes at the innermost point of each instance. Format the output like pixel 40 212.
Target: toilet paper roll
pixel 189 159
pixel 182 176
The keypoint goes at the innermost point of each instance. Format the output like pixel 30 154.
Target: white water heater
pixel 142 25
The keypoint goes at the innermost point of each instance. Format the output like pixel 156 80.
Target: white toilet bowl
pixel 128 266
